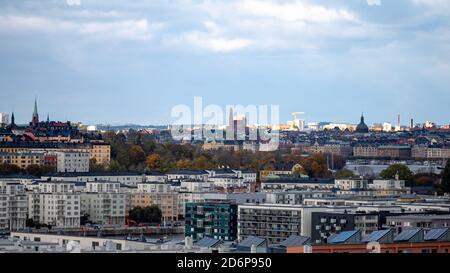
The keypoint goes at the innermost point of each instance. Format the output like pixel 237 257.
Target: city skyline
pixel 403 122
pixel 128 62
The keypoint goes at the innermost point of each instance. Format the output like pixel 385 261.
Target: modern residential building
pixel 104 208
pixel 274 222
pixel 126 178
pixel 168 202
pixel 351 184
pixel 217 220
pixel 13 205
pixel 56 204
pixel 104 203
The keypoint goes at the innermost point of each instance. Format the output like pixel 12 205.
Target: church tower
pixel 35 117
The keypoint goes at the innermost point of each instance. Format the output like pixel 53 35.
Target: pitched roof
pixel 435 234
pixel 342 237
pixel 251 240
pixel 376 236
pixel 407 234
pixel 295 240
pixel 208 242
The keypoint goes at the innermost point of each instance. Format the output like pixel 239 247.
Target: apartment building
pixel 57 204
pixel 13 205
pixel 99 151
pixel 365 151
pixel 326 224
pixel 216 220
pixel 126 178
pixel 72 162
pixel 351 184
pixel 153 188
pixel 274 222
pixel 148 194
pixel 104 208
pixel 104 203
pixel 22 159
pixel 336 149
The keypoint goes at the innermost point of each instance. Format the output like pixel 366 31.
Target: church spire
pixel 13 120
pixel 35 118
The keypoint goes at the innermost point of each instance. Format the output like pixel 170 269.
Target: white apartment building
pixel 274 222
pixel 387 184
pixel 104 203
pixel 102 187
pixel 238 198
pixel 13 205
pixel 153 188
pixel 56 204
pixel 351 184
pixel 196 186
pixel 104 208
pixel 294 197
pixel 188 175
pixel 72 161
pixel 155 177
pixel 227 181
pixel 129 179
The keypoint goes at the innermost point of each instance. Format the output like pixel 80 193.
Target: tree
pixel 137 155
pixel 298 169
pixel 37 170
pixel 202 163
pixel 403 172
pixel 184 164
pixel 94 166
pixel 6 169
pixel 30 223
pixel 344 173
pixel 148 215
pixel 85 219
pixel 153 162
pixel 445 184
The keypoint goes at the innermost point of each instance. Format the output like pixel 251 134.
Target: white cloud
pixel 211 39
pixel 139 29
pixel 439 6
pixel 217 44
pixel 293 11
pixel 73 2
pixel 374 2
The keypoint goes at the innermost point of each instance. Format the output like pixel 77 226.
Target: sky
pixel 116 62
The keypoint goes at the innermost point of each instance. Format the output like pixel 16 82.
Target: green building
pixel 216 220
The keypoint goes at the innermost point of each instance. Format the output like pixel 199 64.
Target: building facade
pixel 13 205
pixel 217 220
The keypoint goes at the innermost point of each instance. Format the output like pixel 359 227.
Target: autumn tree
pixel 137 154
pixel 153 162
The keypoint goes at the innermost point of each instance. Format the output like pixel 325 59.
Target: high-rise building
pixel 4 119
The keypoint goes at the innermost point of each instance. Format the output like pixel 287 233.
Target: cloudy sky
pixel 120 61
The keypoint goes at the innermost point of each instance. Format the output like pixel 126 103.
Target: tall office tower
pixel 4 119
